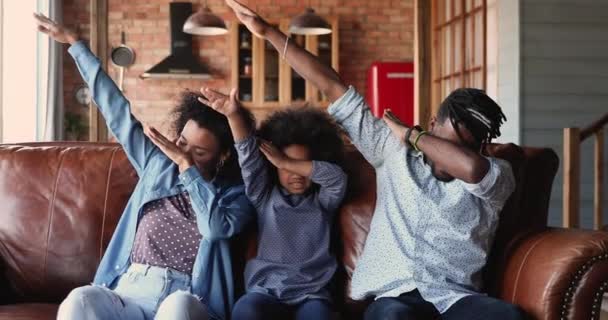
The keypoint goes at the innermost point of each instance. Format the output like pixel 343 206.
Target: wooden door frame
pixel 422 62
pixel 99 46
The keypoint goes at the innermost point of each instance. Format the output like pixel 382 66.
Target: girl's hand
pixel 397 127
pixel 249 18
pixel 274 155
pixel 56 31
pixel 226 105
pixel 168 147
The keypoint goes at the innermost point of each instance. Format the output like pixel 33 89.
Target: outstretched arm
pixel 253 167
pixel 370 135
pixel 303 62
pixel 110 101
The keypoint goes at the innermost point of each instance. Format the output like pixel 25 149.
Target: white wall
pixel 503 68
pixel 564 82
pixel 19 70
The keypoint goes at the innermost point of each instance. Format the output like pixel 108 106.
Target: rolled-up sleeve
pixel 497 185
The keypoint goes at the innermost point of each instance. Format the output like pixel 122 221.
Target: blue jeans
pixel 142 293
pixel 411 306
pixel 257 306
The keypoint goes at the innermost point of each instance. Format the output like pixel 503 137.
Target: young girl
pixel 169 257
pixel 295 202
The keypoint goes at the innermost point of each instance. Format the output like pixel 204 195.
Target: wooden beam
pixel 312 93
pixel 571 169
pixel 422 62
pixel 99 46
pixel 234 49
pixel 598 188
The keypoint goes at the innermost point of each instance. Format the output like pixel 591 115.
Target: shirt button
pixel 104 284
pixel 117 267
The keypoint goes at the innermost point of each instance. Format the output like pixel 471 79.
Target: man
pixel 438 198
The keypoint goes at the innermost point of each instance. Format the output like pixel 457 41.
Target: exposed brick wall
pixel 370 30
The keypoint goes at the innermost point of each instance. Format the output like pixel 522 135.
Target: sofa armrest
pixel 558 274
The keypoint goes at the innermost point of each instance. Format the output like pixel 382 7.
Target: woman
pixel 169 257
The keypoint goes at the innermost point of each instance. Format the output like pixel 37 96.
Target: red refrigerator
pixel 390 85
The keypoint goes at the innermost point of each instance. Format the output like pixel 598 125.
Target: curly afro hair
pixel 307 126
pixel 190 108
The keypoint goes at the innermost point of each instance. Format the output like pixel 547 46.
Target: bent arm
pixel 218 216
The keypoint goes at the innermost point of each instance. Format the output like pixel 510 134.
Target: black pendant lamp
pixel 205 23
pixel 309 23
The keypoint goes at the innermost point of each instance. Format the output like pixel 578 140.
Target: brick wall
pixel 370 30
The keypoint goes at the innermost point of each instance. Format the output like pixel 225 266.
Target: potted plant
pixel 74 126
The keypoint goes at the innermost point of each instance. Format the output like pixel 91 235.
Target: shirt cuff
pixel 242 144
pixel 77 49
pixel 346 104
pixel 189 176
pixel 487 182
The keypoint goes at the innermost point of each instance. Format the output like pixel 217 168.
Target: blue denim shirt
pixel 222 210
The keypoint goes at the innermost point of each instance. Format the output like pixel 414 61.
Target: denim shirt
pixel 222 209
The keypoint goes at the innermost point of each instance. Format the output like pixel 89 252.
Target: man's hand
pixel 168 147
pixel 397 127
pixel 55 30
pixel 226 105
pixel 274 155
pixel 249 18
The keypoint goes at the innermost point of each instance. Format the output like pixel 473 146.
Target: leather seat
pixel 61 202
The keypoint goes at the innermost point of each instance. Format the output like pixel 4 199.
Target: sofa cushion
pixel 60 204
pixel 29 311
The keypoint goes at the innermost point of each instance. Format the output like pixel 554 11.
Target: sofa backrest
pixel 59 204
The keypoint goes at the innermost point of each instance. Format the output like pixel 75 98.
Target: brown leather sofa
pixel 60 202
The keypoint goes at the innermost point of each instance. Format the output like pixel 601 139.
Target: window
pixel 19 69
pixel 458 47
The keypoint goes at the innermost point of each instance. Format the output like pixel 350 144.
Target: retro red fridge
pixel 390 85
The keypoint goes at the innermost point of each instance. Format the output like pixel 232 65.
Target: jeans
pixel 143 292
pixel 257 306
pixel 411 306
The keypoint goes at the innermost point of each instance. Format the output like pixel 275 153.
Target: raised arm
pixel 303 62
pixel 253 166
pixel 110 101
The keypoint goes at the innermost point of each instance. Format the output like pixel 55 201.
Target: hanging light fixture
pixel 309 23
pixel 205 23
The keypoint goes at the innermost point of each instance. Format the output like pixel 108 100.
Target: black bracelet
pixel 408 134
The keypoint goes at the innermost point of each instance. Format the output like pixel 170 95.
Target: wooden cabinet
pixel 265 81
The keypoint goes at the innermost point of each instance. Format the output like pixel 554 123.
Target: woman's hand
pixel 274 155
pixel 249 18
pixel 168 147
pixel 226 105
pixel 397 127
pixel 56 31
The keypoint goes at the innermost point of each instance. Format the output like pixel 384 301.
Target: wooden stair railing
pixel 573 137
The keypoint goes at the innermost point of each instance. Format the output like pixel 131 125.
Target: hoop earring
pixel 219 165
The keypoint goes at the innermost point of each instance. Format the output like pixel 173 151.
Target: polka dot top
pixel 167 235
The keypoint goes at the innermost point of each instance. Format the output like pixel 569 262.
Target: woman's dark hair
pixel 306 126
pixel 476 111
pixel 190 108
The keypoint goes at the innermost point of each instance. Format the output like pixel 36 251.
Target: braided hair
pixel 473 109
